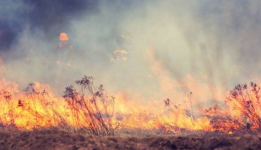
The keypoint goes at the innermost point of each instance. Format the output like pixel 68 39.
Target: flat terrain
pixel 58 140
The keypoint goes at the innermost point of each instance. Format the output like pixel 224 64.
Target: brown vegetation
pixel 54 139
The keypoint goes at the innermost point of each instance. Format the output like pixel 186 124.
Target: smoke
pixel 173 47
pixel 10 22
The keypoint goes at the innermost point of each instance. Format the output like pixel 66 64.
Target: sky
pixel 175 47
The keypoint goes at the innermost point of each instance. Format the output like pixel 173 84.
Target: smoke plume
pixel 173 47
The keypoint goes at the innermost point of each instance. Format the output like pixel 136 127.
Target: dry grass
pixel 87 109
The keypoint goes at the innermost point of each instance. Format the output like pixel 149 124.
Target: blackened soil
pixel 54 139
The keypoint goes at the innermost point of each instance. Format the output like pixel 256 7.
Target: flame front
pixel 96 111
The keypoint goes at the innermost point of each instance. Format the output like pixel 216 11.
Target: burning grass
pixel 90 110
pixel 86 118
pixel 244 110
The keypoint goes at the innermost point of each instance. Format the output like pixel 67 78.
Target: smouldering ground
pixel 57 139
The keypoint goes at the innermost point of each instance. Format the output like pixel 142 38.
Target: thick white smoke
pixel 174 47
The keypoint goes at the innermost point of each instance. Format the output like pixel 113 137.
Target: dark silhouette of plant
pixel 220 120
pixel 7 97
pixel 41 106
pixel 180 113
pixel 92 105
pixel 245 100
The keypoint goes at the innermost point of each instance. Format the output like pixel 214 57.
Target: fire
pixel 41 109
pixel 92 109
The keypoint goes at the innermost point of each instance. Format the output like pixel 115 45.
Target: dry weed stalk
pixel 8 117
pixel 91 105
pixel 181 114
pixel 245 102
pixel 220 120
pixel 90 108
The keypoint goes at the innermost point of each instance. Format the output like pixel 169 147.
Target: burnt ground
pixel 58 140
